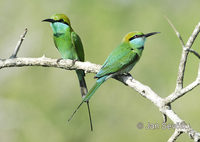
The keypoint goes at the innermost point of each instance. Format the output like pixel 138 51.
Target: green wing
pixel 120 58
pixel 76 40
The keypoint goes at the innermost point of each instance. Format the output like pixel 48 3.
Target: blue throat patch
pixel 59 27
pixel 138 42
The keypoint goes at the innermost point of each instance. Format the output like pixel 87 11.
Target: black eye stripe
pixel 61 21
pixel 135 36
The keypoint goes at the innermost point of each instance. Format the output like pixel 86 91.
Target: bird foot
pixel 58 60
pixel 127 74
pixel 12 56
pixel 74 61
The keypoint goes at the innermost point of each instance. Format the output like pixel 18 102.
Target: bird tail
pixel 94 88
pixel 83 86
pixel 84 91
pixel 90 93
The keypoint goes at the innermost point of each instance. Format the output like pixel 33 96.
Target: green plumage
pixel 121 60
pixel 70 46
pixel 122 57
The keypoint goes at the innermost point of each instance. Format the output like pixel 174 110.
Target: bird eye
pixel 61 20
pixel 136 36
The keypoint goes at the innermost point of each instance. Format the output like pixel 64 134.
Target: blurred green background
pixel 35 102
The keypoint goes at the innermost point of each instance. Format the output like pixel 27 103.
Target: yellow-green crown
pixel 63 17
pixel 131 35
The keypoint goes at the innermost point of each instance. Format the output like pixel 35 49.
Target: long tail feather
pixel 75 111
pixel 90 93
pixel 94 88
pixel 90 116
pixel 84 91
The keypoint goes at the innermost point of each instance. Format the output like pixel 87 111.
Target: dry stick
pixel 22 37
pixel 144 90
pixel 175 95
pixel 182 65
pixel 179 91
pixel 175 135
pixel 175 30
pixel 179 85
pixel 67 64
pixel 186 49
pixel 194 52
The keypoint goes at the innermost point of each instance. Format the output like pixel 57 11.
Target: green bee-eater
pixel 70 46
pixel 121 60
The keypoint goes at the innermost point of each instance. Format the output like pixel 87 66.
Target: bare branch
pixel 175 95
pixel 175 135
pixel 198 76
pixel 67 64
pixel 48 62
pixel 163 104
pixel 164 117
pixel 183 60
pixel 176 31
pixel 194 52
pixel 194 135
pixel 19 43
pixel 179 91
pixel 193 36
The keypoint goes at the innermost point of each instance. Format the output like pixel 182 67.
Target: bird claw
pixel 74 61
pixel 12 56
pixel 127 74
pixel 58 60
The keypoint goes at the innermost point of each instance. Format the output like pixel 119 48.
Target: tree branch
pixel 67 64
pixel 179 91
pixel 186 49
pixel 182 65
pixel 175 135
pixel 176 31
pixel 22 37
pixel 163 104
pixel 175 95
pixel 48 62
pixel 194 52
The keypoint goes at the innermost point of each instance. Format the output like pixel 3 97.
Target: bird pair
pixel 121 60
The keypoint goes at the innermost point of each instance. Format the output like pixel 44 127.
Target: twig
pixel 194 52
pixel 182 65
pixel 175 95
pixel 48 62
pixel 163 104
pixel 175 135
pixel 19 43
pixel 67 64
pixel 179 84
pixel 179 91
pixel 164 118
pixel 176 31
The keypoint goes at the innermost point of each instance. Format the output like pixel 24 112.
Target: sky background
pixel 35 102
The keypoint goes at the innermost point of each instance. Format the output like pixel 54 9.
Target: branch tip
pixel 176 31
pixel 19 43
pixel 174 136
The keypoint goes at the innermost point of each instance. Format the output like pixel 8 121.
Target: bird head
pixel 62 18
pixel 137 39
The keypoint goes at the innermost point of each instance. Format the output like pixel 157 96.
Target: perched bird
pixel 70 46
pixel 121 60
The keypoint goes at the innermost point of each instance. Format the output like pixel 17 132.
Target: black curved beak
pixel 150 34
pixel 48 20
